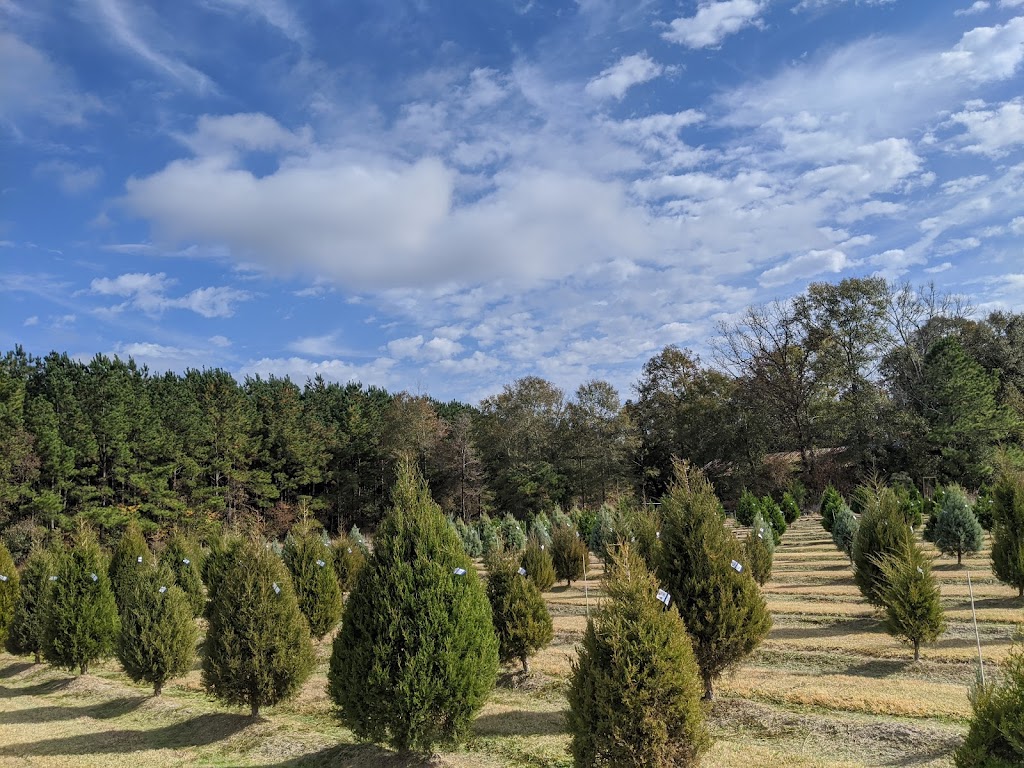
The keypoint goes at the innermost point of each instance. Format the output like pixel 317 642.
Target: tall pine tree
pixel 417 654
pixel 883 530
pixel 720 602
pixel 130 556
pixel 26 632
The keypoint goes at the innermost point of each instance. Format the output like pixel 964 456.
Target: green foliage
pixel 357 539
pixel 882 531
pixel 158 636
pixel 844 530
pixel 606 532
pixel 723 609
pixel 957 530
pixel 258 651
pixel 124 561
pixel 217 559
pixel 569 553
pixel 996 735
pixel 81 622
pixel 586 521
pixel 470 537
pixel 790 508
pixel 540 529
pixel 488 530
pixel 912 504
pixel 27 627
pixel 984 507
pixel 910 596
pixel 9 592
pixel 416 655
pixel 21 538
pixel 831 502
pixel 747 507
pixel 772 514
pixel 635 692
pixel 521 619
pixel 644 525
pixel 759 549
pixel 349 560
pixel 317 590
pixel 540 568
pixel 558 517
pixel 1008 531
pixel 181 555
pixel 511 533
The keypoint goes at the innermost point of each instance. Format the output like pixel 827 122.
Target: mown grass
pixel 827 688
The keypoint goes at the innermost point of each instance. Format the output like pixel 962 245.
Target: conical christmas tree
pixel 701 567
pixel 1008 531
pixel 416 655
pixel 348 558
pixel 521 619
pixel 158 635
pixel 308 559
pixel 26 632
pixel 910 595
pixel 569 553
pixel 258 651
pixel 9 592
pixel 130 557
pixel 540 569
pixel 182 556
pixel 635 691
pixel 883 530
pixel 759 549
pixel 81 614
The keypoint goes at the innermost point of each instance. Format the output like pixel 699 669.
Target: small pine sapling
pixel 258 651
pixel 540 529
pixel 635 691
pixel 994 739
pixel 521 619
pixel 882 531
pixel 831 502
pixel 1008 531
pixel 747 507
pixel 9 593
pixel 790 508
pixel 182 556
pixel 569 554
pixel 772 514
pixel 539 567
pixel 158 636
pixel 349 560
pixel 131 554
pixel 759 549
pixel 314 578
pixel 511 533
pixel 81 622
pixel 26 632
pixel 957 530
pixel 844 530
pixel 910 596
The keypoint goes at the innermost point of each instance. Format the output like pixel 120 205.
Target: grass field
pixel 827 688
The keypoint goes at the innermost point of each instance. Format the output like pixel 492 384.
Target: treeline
pixel 843 382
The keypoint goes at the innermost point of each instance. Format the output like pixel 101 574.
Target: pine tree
pixel 182 556
pixel 790 508
pixel 258 651
pixel 910 596
pixel 957 530
pixel 759 549
pixel 844 530
pixel 1008 531
pixel 81 621
pixel 26 632
pixel 772 514
pixel 831 502
pixel 635 692
pixel 540 529
pixel 9 593
pixel 996 735
pixel 416 655
pixel 721 606
pixel 539 567
pixel 317 589
pixel 569 553
pixel 882 531
pixel 158 636
pixel 511 533
pixel 521 619
pixel 125 565
pixel 747 507
pixel 348 560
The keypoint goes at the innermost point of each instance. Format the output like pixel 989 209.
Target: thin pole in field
pixel 981 666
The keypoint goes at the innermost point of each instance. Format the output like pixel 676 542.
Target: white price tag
pixel 186 561
pixel 138 559
pixel 321 563
pixel 53 578
pixel 162 590
pixel 736 567
pixel 664 597
pixel 94 577
pixel 459 571
pixel 522 571
pixel 277 589
pixel 3 577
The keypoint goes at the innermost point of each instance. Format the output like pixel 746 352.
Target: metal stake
pixel 981 666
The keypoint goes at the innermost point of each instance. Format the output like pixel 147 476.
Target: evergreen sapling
pixel 1008 531
pixel 125 563
pixel 910 596
pixel 349 559
pixel 882 531
pixel 314 578
pixel 569 553
pixel 759 549
pixel 26 632
pixel 957 530
pixel 182 557
pixel 539 567
pixel 521 619
pixel 9 593
pixel 844 530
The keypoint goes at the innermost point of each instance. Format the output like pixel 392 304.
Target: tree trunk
pixel 959 556
pixel 526 664
pixel 709 688
pixel 917 650
pixel 83 667
pixel 158 688
pixel 1020 592
pixel 39 657
pixel 255 710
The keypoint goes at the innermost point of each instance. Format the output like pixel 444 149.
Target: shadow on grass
pixel 39 689
pixel 358 756
pixel 104 711
pixel 519 723
pixel 879 668
pixel 195 732
pixel 15 669
pixel 836 629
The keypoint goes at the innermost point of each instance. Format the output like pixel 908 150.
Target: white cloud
pixel 713 22
pixel 806 265
pixel 71 178
pixel 220 341
pixel 316 346
pixel 276 13
pixel 993 131
pixel 963 184
pixel 958 245
pixel 1017 225
pixel 215 134
pixel 614 81
pixel 148 293
pixel 30 321
pixel 978 6
pixel 1011 3
pixel 943 267
pixel 378 372
pixel 39 89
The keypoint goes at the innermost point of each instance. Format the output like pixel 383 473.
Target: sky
pixel 441 197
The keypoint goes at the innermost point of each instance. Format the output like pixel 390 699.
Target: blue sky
pixel 441 197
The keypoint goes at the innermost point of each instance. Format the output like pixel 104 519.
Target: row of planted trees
pixel 421 635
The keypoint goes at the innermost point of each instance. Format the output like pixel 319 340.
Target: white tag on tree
pixel 3 577
pixel 53 578
pixel 919 570
pixel 736 567
pixel 139 559
pixel 522 571
pixel 186 561
pixel 94 577
pixel 657 535
pixel 350 550
pixel 664 597
pixel 321 563
pixel 760 535
pixel 459 571
pixel 277 589
pixel 162 590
